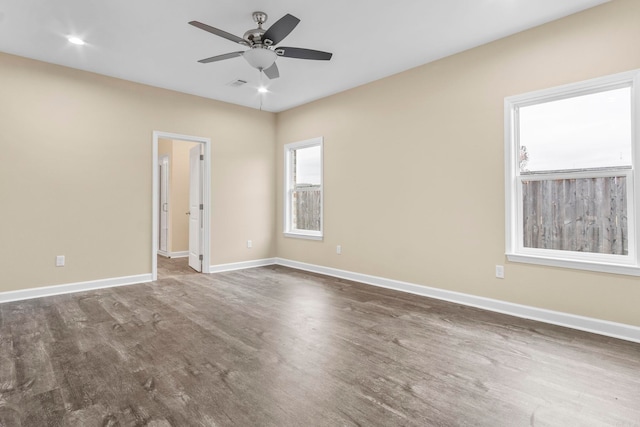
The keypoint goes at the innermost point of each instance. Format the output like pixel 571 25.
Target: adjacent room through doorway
pixel 180 232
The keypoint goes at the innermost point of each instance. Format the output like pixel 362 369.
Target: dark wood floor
pixel 273 346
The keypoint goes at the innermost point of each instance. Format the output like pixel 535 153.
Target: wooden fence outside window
pixel 583 215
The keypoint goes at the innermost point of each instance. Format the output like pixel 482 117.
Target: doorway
pixel 197 212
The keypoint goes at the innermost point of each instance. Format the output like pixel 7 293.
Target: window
pixel 303 189
pixel 570 158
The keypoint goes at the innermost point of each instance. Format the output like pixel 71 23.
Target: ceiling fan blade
pixel 272 72
pixel 221 57
pixel 300 53
pixel 280 29
pixel 218 32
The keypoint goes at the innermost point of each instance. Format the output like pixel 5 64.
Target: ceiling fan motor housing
pixel 254 36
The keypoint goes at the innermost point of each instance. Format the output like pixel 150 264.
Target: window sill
pixel 629 270
pixel 303 235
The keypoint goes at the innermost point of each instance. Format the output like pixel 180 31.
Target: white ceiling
pixel 149 41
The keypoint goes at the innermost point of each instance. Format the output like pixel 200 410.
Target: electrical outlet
pixel 500 271
pixel 60 261
pixel 249 244
pixel 338 249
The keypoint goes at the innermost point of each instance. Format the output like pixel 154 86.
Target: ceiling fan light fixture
pixel 260 57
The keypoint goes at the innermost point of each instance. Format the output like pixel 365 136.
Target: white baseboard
pixel 180 254
pixel 588 324
pixel 219 268
pixel 47 291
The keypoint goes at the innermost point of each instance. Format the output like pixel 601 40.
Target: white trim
pixel 206 197
pixel 588 324
pixel 180 254
pixel 47 291
pixel 301 235
pixel 601 267
pixel 514 249
pixel 288 148
pixel 219 268
pixel 585 87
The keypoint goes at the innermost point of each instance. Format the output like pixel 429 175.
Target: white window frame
pixel 515 250
pixel 288 189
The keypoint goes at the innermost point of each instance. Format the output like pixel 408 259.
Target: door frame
pixel 206 198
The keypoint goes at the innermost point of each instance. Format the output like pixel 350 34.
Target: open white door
pixel 164 205
pixel 195 208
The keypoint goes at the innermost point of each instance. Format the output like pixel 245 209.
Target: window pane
pixel 306 191
pixel 582 132
pixel 306 209
pixel 307 166
pixel 582 215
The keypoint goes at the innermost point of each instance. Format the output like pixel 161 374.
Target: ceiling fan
pixel 263 51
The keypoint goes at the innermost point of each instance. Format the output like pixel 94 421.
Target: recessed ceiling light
pixel 75 40
pixel 263 89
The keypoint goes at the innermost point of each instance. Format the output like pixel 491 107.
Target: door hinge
pixel 201 156
pixel 201 206
pixel 200 257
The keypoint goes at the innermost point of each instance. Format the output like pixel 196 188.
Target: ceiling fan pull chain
pixel 260 92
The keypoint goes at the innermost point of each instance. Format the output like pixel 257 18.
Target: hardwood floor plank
pixel 34 373
pixel 43 409
pixel 10 416
pixel 273 346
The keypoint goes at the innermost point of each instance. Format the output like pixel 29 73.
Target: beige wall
pixel 414 167
pixel 75 173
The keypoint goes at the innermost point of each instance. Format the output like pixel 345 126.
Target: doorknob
pixel 187 213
